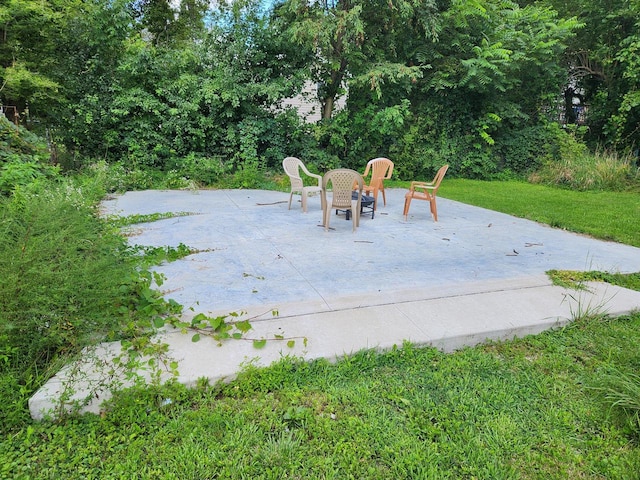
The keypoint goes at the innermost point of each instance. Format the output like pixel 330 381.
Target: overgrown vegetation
pixel 196 90
pixel 23 157
pixel 575 167
pixel 68 280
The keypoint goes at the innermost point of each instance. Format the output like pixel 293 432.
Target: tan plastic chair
pixel 342 181
pixel 292 167
pixel 425 191
pixel 381 170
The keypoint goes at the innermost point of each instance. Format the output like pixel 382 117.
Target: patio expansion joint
pixel 391 302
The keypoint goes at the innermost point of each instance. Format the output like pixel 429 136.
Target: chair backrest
pixel 342 182
pixel 381 169
pixel 438 178
pixel 292 167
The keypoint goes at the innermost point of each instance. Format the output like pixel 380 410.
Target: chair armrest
pixel 416 184
pixel 317 177
pixel 312 175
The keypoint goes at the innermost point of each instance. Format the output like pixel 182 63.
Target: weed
pixel 579 169
pixel 621 392
pixel 119 222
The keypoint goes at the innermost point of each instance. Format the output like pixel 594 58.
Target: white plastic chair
pixel 292 167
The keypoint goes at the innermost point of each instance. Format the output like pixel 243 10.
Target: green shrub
pixel 23 157
pixel 18 173
pixel 522 150
pixel 59 267
pixel 18 143
pixel 575 167
pixel 121 177
pixel 201 170
pixel 64 275
pixel 421 153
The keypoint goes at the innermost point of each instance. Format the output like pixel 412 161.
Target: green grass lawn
pixel 533 408
pixel 530 408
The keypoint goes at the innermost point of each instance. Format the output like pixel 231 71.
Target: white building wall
pixel 308 105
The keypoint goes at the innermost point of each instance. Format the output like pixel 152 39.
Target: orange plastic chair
pixel 425 191
pixel 342 181
pixel 292 167
pixel 381 170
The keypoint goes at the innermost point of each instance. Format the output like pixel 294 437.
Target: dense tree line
pixel 479 84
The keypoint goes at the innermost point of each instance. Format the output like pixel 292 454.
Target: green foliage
pixel 28 54
pixel 335 32
pixel 623 126
pixel 201 170
pixel 603 61
pixel 520 409
pixel 484 81
pixel 522 150
pixel 159 255
pixel 341 139
pixel 622 392
pixel 48 245
pixel 14 174
pixel 23 158
pixel 430 142
pixel 168 24
pixel 575 279
pixel 67 280
pixel 202 109
pixel 120 177
pixel 20 142
pixel 145 84
pixel 577 168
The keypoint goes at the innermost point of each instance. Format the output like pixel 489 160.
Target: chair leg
pixel 407 204
pixel 434 209
pixel 326 215
pixel 290 198
pixel 384 197
pixel 323 203
pixel 355 214
pixel 303 197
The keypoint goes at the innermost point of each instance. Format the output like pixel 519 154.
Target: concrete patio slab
pixel 476 275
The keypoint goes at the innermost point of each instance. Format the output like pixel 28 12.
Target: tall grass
pixel 59 270
pixel 622 391
pixel 68 279
pixel 578 169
